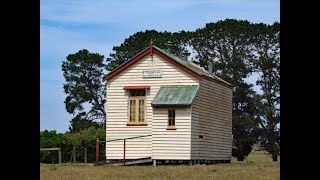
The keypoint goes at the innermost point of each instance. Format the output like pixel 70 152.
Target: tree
pixel 267 64
pixel 87 139
pixel 80 140
pixel 83 73
pixel 52 139
pixel 141 40
pixel 79 123
pixel 227 45
pixel 244 125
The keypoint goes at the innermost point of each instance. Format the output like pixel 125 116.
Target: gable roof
pixel 175 96
pixel 189 67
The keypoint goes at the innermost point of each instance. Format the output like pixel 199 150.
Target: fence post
pixel 85 155
pixel 124 152
pixel 97 151
pixel 74 155
pixel 60 156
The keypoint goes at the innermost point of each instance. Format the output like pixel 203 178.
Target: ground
pixel 257 166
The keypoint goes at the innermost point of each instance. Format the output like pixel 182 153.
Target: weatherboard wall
pixel 171 144
pixel 211 126
pixel 117 108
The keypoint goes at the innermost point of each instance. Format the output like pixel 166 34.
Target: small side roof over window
pixel 175 96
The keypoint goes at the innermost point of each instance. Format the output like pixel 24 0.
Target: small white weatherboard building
pixel 167 108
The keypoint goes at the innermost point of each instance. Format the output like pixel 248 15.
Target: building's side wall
pixel 116 106
pixel 171 144
pixel 212 119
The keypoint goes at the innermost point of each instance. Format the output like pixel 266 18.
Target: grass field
pixel 256 166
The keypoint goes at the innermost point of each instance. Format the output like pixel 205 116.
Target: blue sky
pixel 68 26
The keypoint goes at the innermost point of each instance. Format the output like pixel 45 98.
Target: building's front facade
pixel 185 110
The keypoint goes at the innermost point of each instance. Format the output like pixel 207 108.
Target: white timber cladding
pixel 116 109
pixel 211 120
pixel 171 144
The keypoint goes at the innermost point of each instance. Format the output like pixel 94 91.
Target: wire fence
pixel 81 155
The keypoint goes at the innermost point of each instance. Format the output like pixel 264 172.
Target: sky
pixel 69 26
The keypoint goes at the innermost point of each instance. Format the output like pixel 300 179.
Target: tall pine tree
pixel 267 64
pixel 83 72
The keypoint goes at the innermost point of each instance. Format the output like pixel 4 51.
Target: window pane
pixel 137 92
pixel 133 92
pixel 141 110
pixel 132 110
pixel 171 117
pixel 143 92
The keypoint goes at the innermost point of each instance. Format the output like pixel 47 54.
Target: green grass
pixel 256 166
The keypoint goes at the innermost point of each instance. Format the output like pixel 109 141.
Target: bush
pixel 81 140
pixel 52 139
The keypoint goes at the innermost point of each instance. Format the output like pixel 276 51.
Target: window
pixel 136 106
pixel 171 119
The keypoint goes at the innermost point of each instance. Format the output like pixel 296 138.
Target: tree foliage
pixel 80 123
pixel 87 139
pixel 52 139
pixel 83 72
pixel 267 63
pixel 141 40
pixel 80 140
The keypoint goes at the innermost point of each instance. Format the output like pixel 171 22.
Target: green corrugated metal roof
pixel 175 96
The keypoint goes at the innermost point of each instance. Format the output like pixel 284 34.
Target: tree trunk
pixel 274 157
pixel 240 157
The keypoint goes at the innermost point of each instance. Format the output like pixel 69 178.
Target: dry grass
pixel 256 166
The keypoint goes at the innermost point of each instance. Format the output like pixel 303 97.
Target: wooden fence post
pixel 97 151
pixel 74 155
pixel 124 152
pixel 60 156
pixel 85 155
